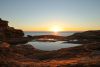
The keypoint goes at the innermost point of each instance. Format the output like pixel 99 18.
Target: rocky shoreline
pixel 85 55
pixel 11 35
pixel 15 54
pixel 84 37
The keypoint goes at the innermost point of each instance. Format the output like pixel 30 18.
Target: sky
pixel 42 15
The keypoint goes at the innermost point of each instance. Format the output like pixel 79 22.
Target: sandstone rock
pixel 7 32
pixel 85 37
pixel 4 45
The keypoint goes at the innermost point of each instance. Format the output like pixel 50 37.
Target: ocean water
pixel 49 33
pixel 49 46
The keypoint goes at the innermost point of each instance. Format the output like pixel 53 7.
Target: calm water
pixel 48 46
pixel 49 33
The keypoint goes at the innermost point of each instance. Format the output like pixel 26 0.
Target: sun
pixel 55 29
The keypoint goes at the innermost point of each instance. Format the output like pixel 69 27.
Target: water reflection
pixel 48 46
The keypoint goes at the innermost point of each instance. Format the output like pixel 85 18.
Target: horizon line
pixel 59 31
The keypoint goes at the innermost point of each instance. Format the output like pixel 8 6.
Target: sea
pixel 49 46
pixel 49 33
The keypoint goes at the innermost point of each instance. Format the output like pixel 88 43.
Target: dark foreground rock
pixel 84 37
pixel 86 55
pixel 10 34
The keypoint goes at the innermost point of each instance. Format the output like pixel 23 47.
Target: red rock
pixel 4 45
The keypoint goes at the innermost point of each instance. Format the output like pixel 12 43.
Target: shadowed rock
pixel 4 45
pixel 10 34
pixel 85 37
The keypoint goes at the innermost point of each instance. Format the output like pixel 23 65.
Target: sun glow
pixel 56 29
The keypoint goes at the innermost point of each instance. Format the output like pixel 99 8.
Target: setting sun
pixel 56 29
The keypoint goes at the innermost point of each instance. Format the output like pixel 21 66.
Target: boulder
pixel 4 45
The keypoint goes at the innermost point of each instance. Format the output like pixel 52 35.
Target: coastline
pixel 15 54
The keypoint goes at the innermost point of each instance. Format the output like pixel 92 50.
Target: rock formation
pixel 85 37
pixel 4 45
pixel 27 56
pixel 7 32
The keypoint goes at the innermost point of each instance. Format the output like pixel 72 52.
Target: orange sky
pixel 45 15
pixel 62 29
